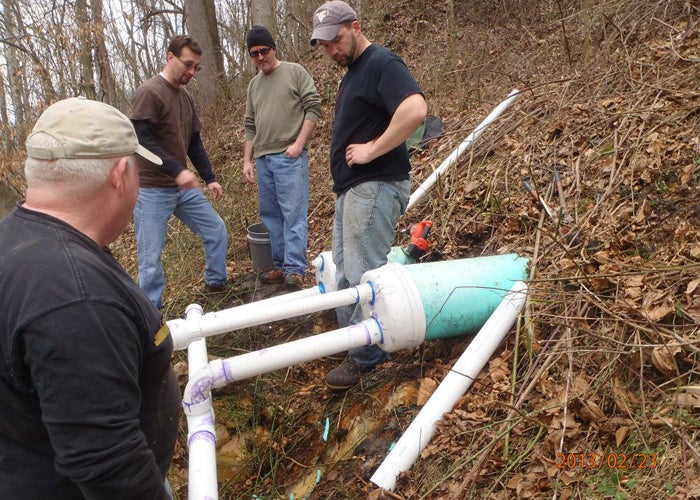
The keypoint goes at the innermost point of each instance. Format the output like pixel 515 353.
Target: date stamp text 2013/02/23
pixel 606 460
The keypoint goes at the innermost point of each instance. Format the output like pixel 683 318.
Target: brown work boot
pixel 293 282
pixel 273 277
pixel 344 376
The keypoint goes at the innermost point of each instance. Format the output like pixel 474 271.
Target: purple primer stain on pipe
pixel 352 329
pixel 200 389
pixel 228 376
pixel 202 436
pixel 368 335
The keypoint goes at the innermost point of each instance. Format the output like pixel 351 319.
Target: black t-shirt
pixel 88 399
pixel 369 93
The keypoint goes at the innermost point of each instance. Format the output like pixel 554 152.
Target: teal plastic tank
pixel 459 296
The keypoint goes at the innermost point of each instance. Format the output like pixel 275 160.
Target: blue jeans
pixel 154 207
pixel 365 220
pixel 283 188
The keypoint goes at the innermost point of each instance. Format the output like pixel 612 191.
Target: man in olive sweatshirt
pixel 282 109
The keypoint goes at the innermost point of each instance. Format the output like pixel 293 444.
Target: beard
pixel 348 58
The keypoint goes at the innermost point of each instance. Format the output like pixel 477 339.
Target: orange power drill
pixel 418 245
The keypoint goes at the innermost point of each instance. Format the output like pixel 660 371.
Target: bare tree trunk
pixel 295 25
pixel 20 42
pixel 97 79
pixel 14 78
pixel 263 12
pixel 6 127
pixel 107 86
pixel 200 17
pixel 87 70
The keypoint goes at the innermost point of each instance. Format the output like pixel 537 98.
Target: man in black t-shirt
pixel 89 403
pixel 379 105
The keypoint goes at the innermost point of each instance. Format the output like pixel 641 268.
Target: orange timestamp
pixel 608 460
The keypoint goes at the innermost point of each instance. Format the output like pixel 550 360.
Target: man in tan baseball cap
pixel 86 129
pixel 90 402
pixel 84 148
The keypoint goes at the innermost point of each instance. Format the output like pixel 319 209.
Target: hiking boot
pixel 215 288
pixel 293 282
pixel 344 376
pixel 273 277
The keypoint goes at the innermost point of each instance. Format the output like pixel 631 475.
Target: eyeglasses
pixel 189 65
pixel 255 53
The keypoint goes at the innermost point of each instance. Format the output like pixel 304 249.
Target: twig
pixel 562 200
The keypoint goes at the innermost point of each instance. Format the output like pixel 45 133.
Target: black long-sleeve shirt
pixel 89 403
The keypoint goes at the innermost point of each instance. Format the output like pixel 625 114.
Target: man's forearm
pixel 200 159
pixel 307 128
pixel 403 123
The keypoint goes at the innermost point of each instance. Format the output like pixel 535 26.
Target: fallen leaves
pixel 621 434
pixel 688 397
pixel 425 390
pixel 664 360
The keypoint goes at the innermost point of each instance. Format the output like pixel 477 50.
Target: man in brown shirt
pixel 165 119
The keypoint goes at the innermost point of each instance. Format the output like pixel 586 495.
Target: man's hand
pixel 249 172
pixel 293 151
pixel 187 180
pixel 359 153
pixel 404 122
pixel 216 190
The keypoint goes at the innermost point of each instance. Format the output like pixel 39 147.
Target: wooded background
pixel 104 49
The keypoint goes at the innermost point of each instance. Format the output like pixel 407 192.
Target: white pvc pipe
pixel 325 268
pixel 450 160
pixel 220 372
pixel 286 297
pixel 325 271
pixel 458 380
pixel 201 435
pixel 205 376
pixel 256 313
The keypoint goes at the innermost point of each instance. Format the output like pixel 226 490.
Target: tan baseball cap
pixel 87 129
pixel 328 18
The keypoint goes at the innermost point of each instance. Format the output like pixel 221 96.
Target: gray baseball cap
pixel 328 18
pixel 87 129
